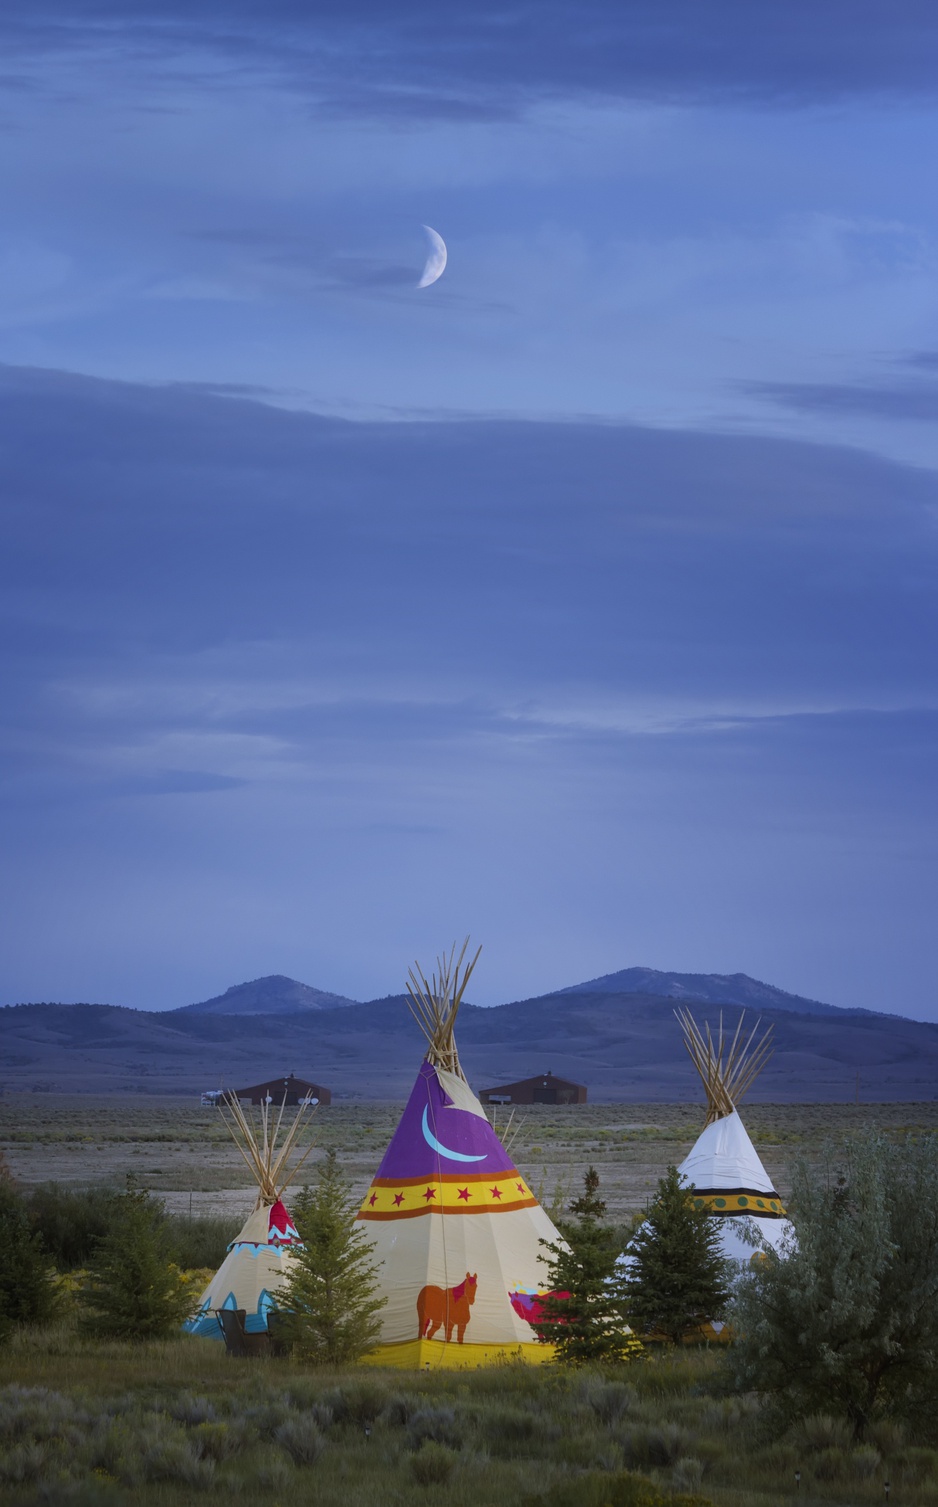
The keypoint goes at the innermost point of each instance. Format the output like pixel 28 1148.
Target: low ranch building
pixel 296 1090
pixel 544 1089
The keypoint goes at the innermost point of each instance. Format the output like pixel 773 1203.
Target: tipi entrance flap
pixel 460 1094
pixel 254 1229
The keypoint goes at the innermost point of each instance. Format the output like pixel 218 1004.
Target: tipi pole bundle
pixel 435 1004
pixel 257 1145
pixel 727 1067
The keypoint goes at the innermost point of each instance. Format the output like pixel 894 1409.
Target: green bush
pixel 70 1221
pixel 848 1321
pixel 27 1294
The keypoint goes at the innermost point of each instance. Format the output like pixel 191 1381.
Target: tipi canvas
pixel 456 1229
pixel 724 1167
pixel 259 1258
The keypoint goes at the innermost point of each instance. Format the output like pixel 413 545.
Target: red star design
pixel 520 1187
pixel 430 1193
pixel 495 1192
pixel 373 1199
pixel 464 1194
pixel 398 1200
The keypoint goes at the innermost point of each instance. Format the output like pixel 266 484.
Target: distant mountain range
pixel 616 1034
pixel 278 995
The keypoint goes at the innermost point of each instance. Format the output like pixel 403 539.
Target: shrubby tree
pixel 135 1290
pixel 70 1221
pixel 330 1301
pixel 27 1279
pixel 583 1316
pixel 848 1321
pixel 677 1278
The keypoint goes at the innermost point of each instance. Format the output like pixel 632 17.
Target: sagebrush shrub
pixel 192 1410
pixel 821 1431
pixel 865 1461
pixel 830 1464
pixel 660 1445
pixel 396 1411
pixel 175 1460
pixel 360 1403
pixel 610 1401
pixel 688 1473
pixel 267 1417
pixel 25 1463
pixel 216 1441
pixel 301 1439
pixel 433 1464
pixel 437 1425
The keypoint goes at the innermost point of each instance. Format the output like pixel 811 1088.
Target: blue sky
pixel 584 600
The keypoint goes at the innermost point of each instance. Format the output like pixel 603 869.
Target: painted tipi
pixel 723 1165
pixel 259 1258
pixel 456 1229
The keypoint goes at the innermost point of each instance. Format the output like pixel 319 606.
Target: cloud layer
pixel 600 692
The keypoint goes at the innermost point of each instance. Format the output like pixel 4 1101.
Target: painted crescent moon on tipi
pixel 435 1145
pixel 436 261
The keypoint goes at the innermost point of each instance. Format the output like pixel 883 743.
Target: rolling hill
pixel 622 1042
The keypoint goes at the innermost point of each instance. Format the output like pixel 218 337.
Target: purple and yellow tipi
pixel 456 1230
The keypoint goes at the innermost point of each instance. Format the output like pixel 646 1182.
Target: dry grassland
pixel 183 1152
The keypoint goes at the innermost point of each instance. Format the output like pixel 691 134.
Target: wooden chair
pixel 237 1340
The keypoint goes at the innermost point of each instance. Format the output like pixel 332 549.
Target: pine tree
pixel 583 1315
pixel 677 1277
pixel 27 1288
pixel 135 1290
pixel 329 1300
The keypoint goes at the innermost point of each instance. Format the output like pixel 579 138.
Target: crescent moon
pixel 436 261
pixel 454 1156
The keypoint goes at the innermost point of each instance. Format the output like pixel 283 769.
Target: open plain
pixel 182 1151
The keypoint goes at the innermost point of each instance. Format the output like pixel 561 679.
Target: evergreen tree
pixel 847 1321
pixel 135 1290
pixel 27 1290
pixel 583 1315
pixel 677 1277
pixel 329 1300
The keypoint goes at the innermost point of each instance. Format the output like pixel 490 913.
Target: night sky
pixel 584 600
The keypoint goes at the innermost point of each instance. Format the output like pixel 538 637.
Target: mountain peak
pixel 274 994
pixel 705 988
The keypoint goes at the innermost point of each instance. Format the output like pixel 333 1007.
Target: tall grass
pixel 169 1423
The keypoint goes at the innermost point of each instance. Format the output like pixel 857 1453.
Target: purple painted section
pixel 411 1153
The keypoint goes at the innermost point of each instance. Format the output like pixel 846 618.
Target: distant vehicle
pixel 211 1097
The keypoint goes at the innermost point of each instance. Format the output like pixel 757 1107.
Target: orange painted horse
pixel 446 1306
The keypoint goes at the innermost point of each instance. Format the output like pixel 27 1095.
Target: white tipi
pixel 259 1258
pixel 456 1230
pixel 724 1167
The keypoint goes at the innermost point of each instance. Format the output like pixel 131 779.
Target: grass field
pixel 91 1425
pixel 179 1422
